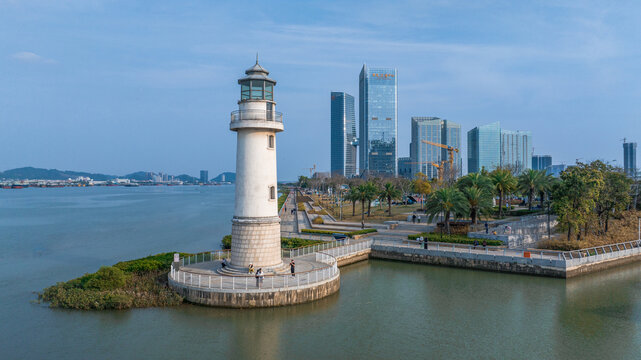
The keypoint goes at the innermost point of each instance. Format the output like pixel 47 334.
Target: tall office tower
pixel 204 176
pixel 378 113
pixel 541 162
pixel 405 167
pixel 630 158
pixel 484 148
pixel 516 150
pixel 343 135
pixel 426 157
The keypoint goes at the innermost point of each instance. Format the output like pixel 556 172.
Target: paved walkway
pixel 288 221
pixel 456 248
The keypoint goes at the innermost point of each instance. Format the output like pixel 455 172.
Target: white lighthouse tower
pixel 256 225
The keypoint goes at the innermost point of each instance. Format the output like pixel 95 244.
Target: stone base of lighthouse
pixel 256 240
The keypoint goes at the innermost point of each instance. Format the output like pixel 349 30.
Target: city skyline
pixel 133 93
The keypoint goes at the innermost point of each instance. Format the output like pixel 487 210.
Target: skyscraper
pixel 484 148
pixel 438 131
pixel 516 150
pixel 630 158
pixel 343 135
pixel 541 162
pixel 378 113
pixel 204 176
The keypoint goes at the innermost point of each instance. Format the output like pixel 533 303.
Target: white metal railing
pixel 472 249
pixel 600 253
pixel 349 249
pixel 256 114
pixel 253 282
pixel 205 256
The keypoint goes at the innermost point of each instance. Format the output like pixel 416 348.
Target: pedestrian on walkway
pixel 224 264
pixel 484 243
pixel 292 267
pixel 487 227
pixel 251 268
pixel 419 219
pixel 413 218
pixel 476 243
pixel 259 277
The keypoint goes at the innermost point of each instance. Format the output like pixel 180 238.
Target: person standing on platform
pixel 292 267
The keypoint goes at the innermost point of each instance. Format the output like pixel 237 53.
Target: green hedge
pixel 330 232
pixel 285 243
pixel 281 200
pixel 456 239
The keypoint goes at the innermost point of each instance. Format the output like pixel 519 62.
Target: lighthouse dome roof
pixel 257 72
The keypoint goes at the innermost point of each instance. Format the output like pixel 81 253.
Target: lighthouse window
pixel 270 141
pixel 244 90
pixel 257 89
pixel 269 91
pixel 272 193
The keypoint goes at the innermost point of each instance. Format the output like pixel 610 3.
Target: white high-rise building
pixel 256 225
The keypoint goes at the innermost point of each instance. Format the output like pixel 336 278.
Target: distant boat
pixel 19 186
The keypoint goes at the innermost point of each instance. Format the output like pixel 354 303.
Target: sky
pixel 121 86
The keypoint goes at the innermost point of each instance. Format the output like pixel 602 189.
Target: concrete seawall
pixel 471 261
pixel 257 298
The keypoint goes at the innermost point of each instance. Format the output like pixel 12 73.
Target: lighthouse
pixel 256 225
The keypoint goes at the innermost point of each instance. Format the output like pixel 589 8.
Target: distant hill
pixel 188 179
pixel 31 173
pixel 229 176
pixel 139 175
pixel 50 174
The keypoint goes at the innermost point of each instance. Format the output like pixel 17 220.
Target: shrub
pixel 456 239
pixel 318 220
pixel 291 243
pixel 106 278
pixel 226 242
pixel 159 262
pixel 117 301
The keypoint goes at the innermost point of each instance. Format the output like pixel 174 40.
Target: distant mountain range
pixel 32 173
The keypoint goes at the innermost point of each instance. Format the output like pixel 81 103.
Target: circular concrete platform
pixel 316 276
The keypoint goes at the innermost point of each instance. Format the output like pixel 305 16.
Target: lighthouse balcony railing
pixel 256 115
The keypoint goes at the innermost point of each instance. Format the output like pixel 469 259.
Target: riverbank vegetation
pixel 129 284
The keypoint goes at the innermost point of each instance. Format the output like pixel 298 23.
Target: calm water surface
pixel 384 310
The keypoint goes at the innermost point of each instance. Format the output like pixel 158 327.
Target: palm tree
pixel 529 182
pixel 353 196
pixel 478 201
pixel 478 180
pixel 446 200
pixel 389 192
pixel 369 191
pixel 504 183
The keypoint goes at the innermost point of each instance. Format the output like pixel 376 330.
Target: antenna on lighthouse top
pixel 256 57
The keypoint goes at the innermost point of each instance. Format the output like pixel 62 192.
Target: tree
pixel 370 192
pixel 478 180
pixel 421 185
pixel 389 192
pixel 446 200
pixel 530 182
pixel 478 201
pixel 504 183
pixel 574 200
pixel 303 181
pixel 353 196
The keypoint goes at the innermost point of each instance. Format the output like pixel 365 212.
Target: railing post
pixel 245 282
pixel 221 282
pixel 233 283
pixel 209 283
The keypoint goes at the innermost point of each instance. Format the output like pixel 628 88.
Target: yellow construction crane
pixel 439 167
pixel 450 151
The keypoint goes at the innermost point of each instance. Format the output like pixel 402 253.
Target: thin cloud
pixel 29 57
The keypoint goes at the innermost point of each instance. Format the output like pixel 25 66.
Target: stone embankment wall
pixel 542 267
pixel 258 298
pixel 525 232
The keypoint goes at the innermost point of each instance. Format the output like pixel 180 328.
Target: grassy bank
pixel 456 239
pixel 130 284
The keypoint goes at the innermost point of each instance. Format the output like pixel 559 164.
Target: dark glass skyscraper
pixel 541 162
pixel 343 135
pixel 630 158
pixel 378 114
